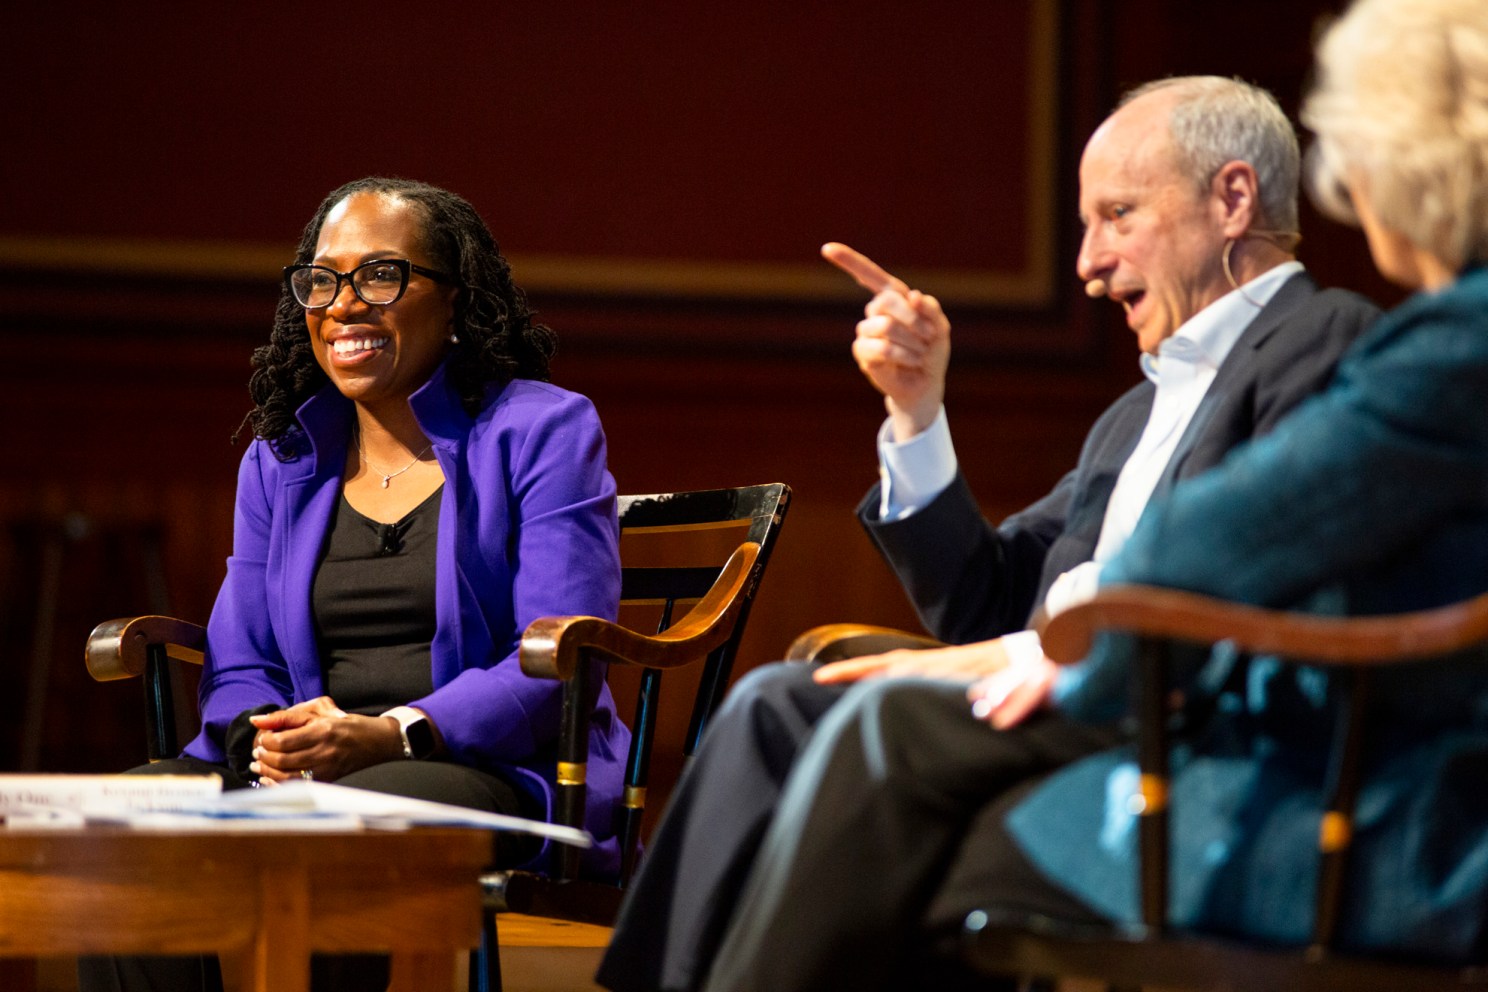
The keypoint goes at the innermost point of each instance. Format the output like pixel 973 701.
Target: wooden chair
pixel 1154 954
pixel 708 548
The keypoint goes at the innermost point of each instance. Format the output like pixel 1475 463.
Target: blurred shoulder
pixel 1330 320
pixel 1345 302
pixel 1460 309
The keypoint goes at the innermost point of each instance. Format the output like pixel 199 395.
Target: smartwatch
pixel 416 730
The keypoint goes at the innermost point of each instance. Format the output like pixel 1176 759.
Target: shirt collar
pixel 1207 337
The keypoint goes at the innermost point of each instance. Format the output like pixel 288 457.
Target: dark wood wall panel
pixel 683 149
pixel 662 178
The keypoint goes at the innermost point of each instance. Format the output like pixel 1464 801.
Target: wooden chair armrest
pixel 1185 616
pixel 116 648
pixel 553 646
pixel 836 641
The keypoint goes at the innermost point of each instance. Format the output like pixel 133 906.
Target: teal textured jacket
pixel 1371 497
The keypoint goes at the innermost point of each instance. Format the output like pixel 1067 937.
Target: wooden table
pixel 263 901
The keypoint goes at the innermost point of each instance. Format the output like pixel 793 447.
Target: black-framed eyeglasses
pixel 376 283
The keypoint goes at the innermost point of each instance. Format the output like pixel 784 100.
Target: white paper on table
pixel 382 811
pixel 216 819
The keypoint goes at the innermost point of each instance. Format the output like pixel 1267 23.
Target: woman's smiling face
pixel 379 354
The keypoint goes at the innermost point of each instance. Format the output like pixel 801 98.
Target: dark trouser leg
pixel 866 828
pixel 149 974
pixel 458 785
pixel 989 872
pixel 680 900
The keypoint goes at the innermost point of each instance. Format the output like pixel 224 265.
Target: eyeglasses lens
pixel 375 283
pixel 313 287
pixel 378 282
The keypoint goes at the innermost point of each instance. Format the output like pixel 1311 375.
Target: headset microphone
pixel 1096 288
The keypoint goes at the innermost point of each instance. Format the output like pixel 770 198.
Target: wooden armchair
pixel 1155 955
pixel 708 548
pixel 1162 620
pixel 838 641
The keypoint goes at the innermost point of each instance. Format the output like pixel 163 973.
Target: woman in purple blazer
pixel 416 493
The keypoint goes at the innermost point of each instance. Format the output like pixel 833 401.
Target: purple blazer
pixel 527 528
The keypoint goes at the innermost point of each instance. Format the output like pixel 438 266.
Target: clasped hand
pixel 319 737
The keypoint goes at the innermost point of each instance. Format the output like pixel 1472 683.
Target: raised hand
pixel 903 342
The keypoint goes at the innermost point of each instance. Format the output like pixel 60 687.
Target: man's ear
pixel 1237 193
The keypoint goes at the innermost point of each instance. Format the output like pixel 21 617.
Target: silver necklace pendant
pixel 388 478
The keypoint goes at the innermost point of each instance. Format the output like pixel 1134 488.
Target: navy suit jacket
pixel 970 580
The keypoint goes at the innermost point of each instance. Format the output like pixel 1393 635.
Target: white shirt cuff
pixel 1078 585
pixel 1023 647
pixel 913 472
pixel 1072 588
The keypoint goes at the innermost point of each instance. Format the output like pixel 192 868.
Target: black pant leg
pixel 987 872
pixel 866 827
pixel 459 785
pixel 679 902
pixel 990 871
pixel 143 973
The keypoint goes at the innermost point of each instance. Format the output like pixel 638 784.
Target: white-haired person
pixel 1371 497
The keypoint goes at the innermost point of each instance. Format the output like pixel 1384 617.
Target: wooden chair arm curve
pixel 1173 614
pixel 836 641
pixel 553 646
pixel 117 648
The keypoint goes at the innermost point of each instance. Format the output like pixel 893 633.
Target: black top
pixel 373 600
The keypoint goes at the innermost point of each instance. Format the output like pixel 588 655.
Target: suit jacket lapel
pixel 311 491
pixel 1240 365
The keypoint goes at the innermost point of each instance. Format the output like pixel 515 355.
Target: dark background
pixel 661 176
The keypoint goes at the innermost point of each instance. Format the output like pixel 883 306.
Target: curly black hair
pixel 498 339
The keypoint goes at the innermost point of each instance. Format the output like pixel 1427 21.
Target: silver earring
pixel 454 338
